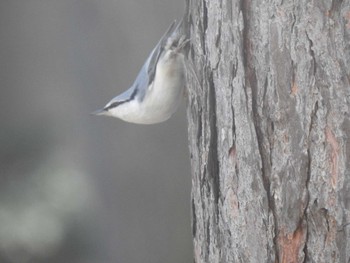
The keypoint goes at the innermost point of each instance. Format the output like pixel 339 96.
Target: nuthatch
pixel 159 86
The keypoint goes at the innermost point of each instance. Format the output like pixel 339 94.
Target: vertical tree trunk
pixel 268 130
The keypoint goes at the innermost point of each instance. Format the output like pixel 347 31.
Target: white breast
pixel 163 97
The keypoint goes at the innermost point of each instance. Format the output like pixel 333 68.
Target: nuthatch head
pixel 159 86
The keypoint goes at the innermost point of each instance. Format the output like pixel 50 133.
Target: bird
pixel 158 88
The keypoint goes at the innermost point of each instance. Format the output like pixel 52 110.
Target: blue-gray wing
pixel 146 74
pixel 157 51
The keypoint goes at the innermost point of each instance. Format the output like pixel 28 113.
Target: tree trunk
pixel 269 123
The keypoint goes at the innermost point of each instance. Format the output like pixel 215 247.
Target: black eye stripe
pixel 117 103
pixel 113 105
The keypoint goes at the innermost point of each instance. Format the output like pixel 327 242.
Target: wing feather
pixel 147 72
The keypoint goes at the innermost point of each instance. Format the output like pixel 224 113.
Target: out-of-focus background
pixel 74 187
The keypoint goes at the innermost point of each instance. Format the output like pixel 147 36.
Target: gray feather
pixel 148 71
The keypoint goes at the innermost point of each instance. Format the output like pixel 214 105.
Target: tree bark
pixel 269 123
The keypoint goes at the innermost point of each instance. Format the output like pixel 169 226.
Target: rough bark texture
pixel 268 130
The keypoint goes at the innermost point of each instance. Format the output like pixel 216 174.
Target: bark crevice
pixel 268 126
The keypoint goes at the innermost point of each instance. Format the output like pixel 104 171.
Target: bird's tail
pixel 176 39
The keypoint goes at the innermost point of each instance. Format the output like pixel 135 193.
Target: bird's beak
pixel 99 112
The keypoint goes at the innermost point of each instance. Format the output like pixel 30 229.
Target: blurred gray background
pixel 75 187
